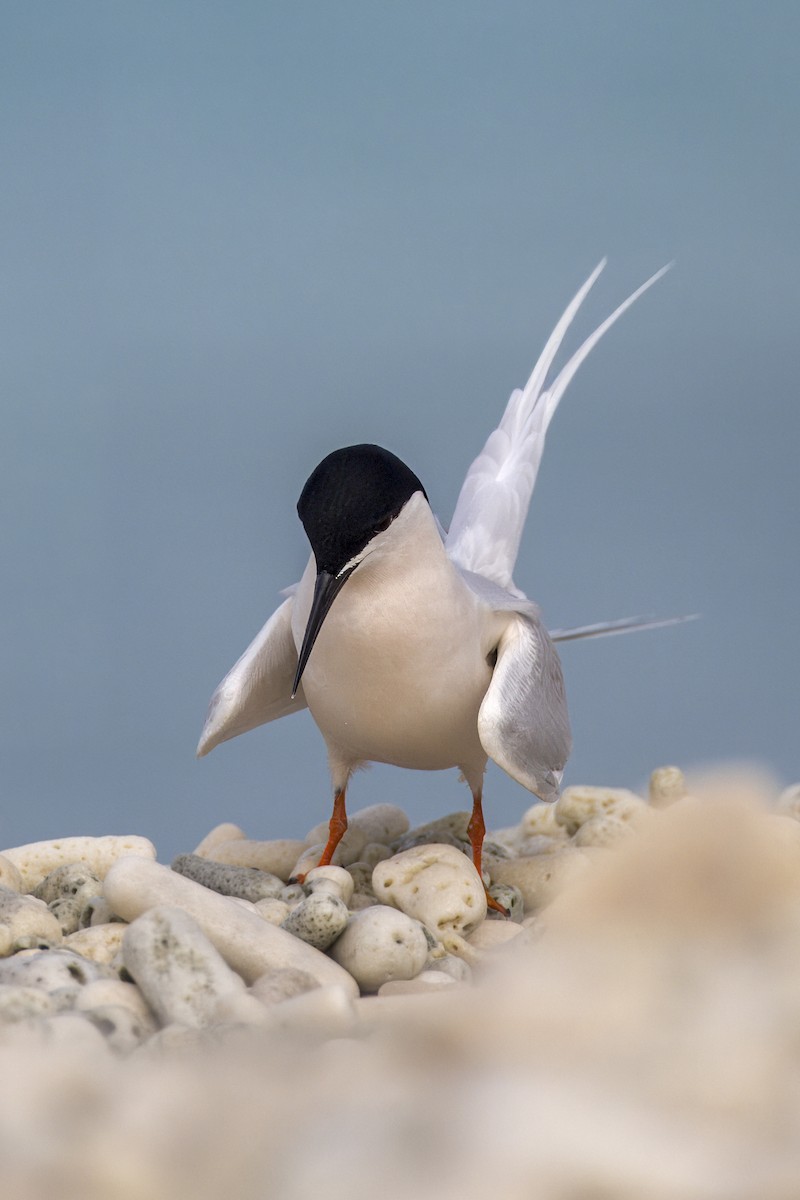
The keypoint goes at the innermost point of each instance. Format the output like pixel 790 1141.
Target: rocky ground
pixel 632 1030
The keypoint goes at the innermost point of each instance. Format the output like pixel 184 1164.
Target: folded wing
pixel 523 722
pixel 258 687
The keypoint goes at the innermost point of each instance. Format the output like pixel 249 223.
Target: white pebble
pixel 424 982
pixel 276 986
pixel 25 922
pixel 100 943
pixel 667 784
pixel 605 830
pixel 249 944
pixel 274 911
pixel 37 859
pixel 102 993
pixel 51 969
pixel 540 821
pixel 218 836
pixel 180 974
pixel 492 934
pixel 380 944
pixel 437 884
pixel 9 875
pixel 275 857
pixel 325 1012
pixel 331 879
pixel 541 877
pixel 18 1002
pixel 576 805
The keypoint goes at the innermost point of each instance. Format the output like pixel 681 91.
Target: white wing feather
pixel 493 503
pixel 258 687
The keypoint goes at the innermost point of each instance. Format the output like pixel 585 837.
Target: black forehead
pixel 347 495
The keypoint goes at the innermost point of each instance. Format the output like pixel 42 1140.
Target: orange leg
pixel 477 831
pixel 336 831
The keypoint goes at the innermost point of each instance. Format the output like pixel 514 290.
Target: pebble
pixel 436 884
pixel 605 830
pixel 275 911
pixel 511 899
pixel 180 974
pixel 99 943
pixel 541 877
pixel 245 883
pixel 9 875
pixel 450 964
pixel 73 880
pixel 423 983
pixel 37 859
pixel 450 830
pixel 318 920
pixel 540 821
pixel 667 784
pixel 66 1031
pixel 248 943
pixel 276 857
pixel 325 1012
pixel 380 943
pixel 330 879
pixel 25 922
pixel 379 823
pixel 18 1002
pixel 492 934
pixel 52 969
pixel 113 993
pixel 576 805
pixel 275 986
pixel 218 836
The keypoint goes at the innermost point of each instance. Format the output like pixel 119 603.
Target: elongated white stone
pixel 276 857
pixel 247 943
pixel 52 970
pixel 99 943
pixel 25 921
pixel 218 836
pixel 180 974
pixel 9 875
pixel 37 859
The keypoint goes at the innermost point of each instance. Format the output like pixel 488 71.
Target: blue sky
pixel 237 236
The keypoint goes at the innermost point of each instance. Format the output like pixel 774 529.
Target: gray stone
pixel 511 899
pixel 246 883
pixel 25 923
pixel 318 920
pixel 71 879
pixel 52 969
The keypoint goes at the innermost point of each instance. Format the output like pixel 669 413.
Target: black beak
pixel 326 589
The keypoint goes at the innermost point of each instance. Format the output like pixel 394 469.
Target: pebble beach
pixel 207 1027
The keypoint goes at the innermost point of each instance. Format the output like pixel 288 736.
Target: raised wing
pixel 523 722
pixel 259 687
pixel 490 512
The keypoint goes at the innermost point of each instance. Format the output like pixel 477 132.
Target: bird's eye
pixel 384 524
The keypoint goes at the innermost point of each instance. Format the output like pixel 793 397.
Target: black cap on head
pixel 349 497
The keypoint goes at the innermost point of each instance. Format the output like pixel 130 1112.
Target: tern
pixel 413 646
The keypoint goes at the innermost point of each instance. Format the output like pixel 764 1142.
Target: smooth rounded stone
pixel 541 877
pixel 218 836
pixel 72 880
pixel 65 1031
pixel 310 856
pixel 423 983
pixel 788 804
pixel 436 884
pixel 9 875
pixel 380 943
pixel 511 899
pixel 362 900
pixel 603 831
pixel 180 974
pixel 52 969
pixel 248 943
pixel 18 1002
pixel 275 911
pixel 492 934
pixel 37 859
pixel 244 883
pixel 539 843
pixel 239 1008
pixel 274 987
pixel 540 821
pixel 318 920
pixel 450 830
pixel 375 852
pixel 25 922
pixel 577 805
pixel 69 913
pixel 450 964
pixel 376 823
pixel 98 943
pixel 100 912
pixel 275 857
pixel 667 784
pixel 335 880
pixel 325 1012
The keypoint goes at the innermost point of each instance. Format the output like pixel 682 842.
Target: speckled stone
pixel 317 920
pixel 247 942
pixel 275 986
pixel 606 830
pixel 379 944
pixel 377 823
pixel 245 883
pixel 99 943
pixel 511 899
pixel 436 884
pixel 17 1003
pixel 52 969
pixel 275 857
pixel 335 880
pixel 361 874
pixel 37 859
pixel 667 784
pixel 25 922
pixel 179 972
pixel 577 805
pixel 102 993
pixel 450 830
pixel 10 877
pixel 71 879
